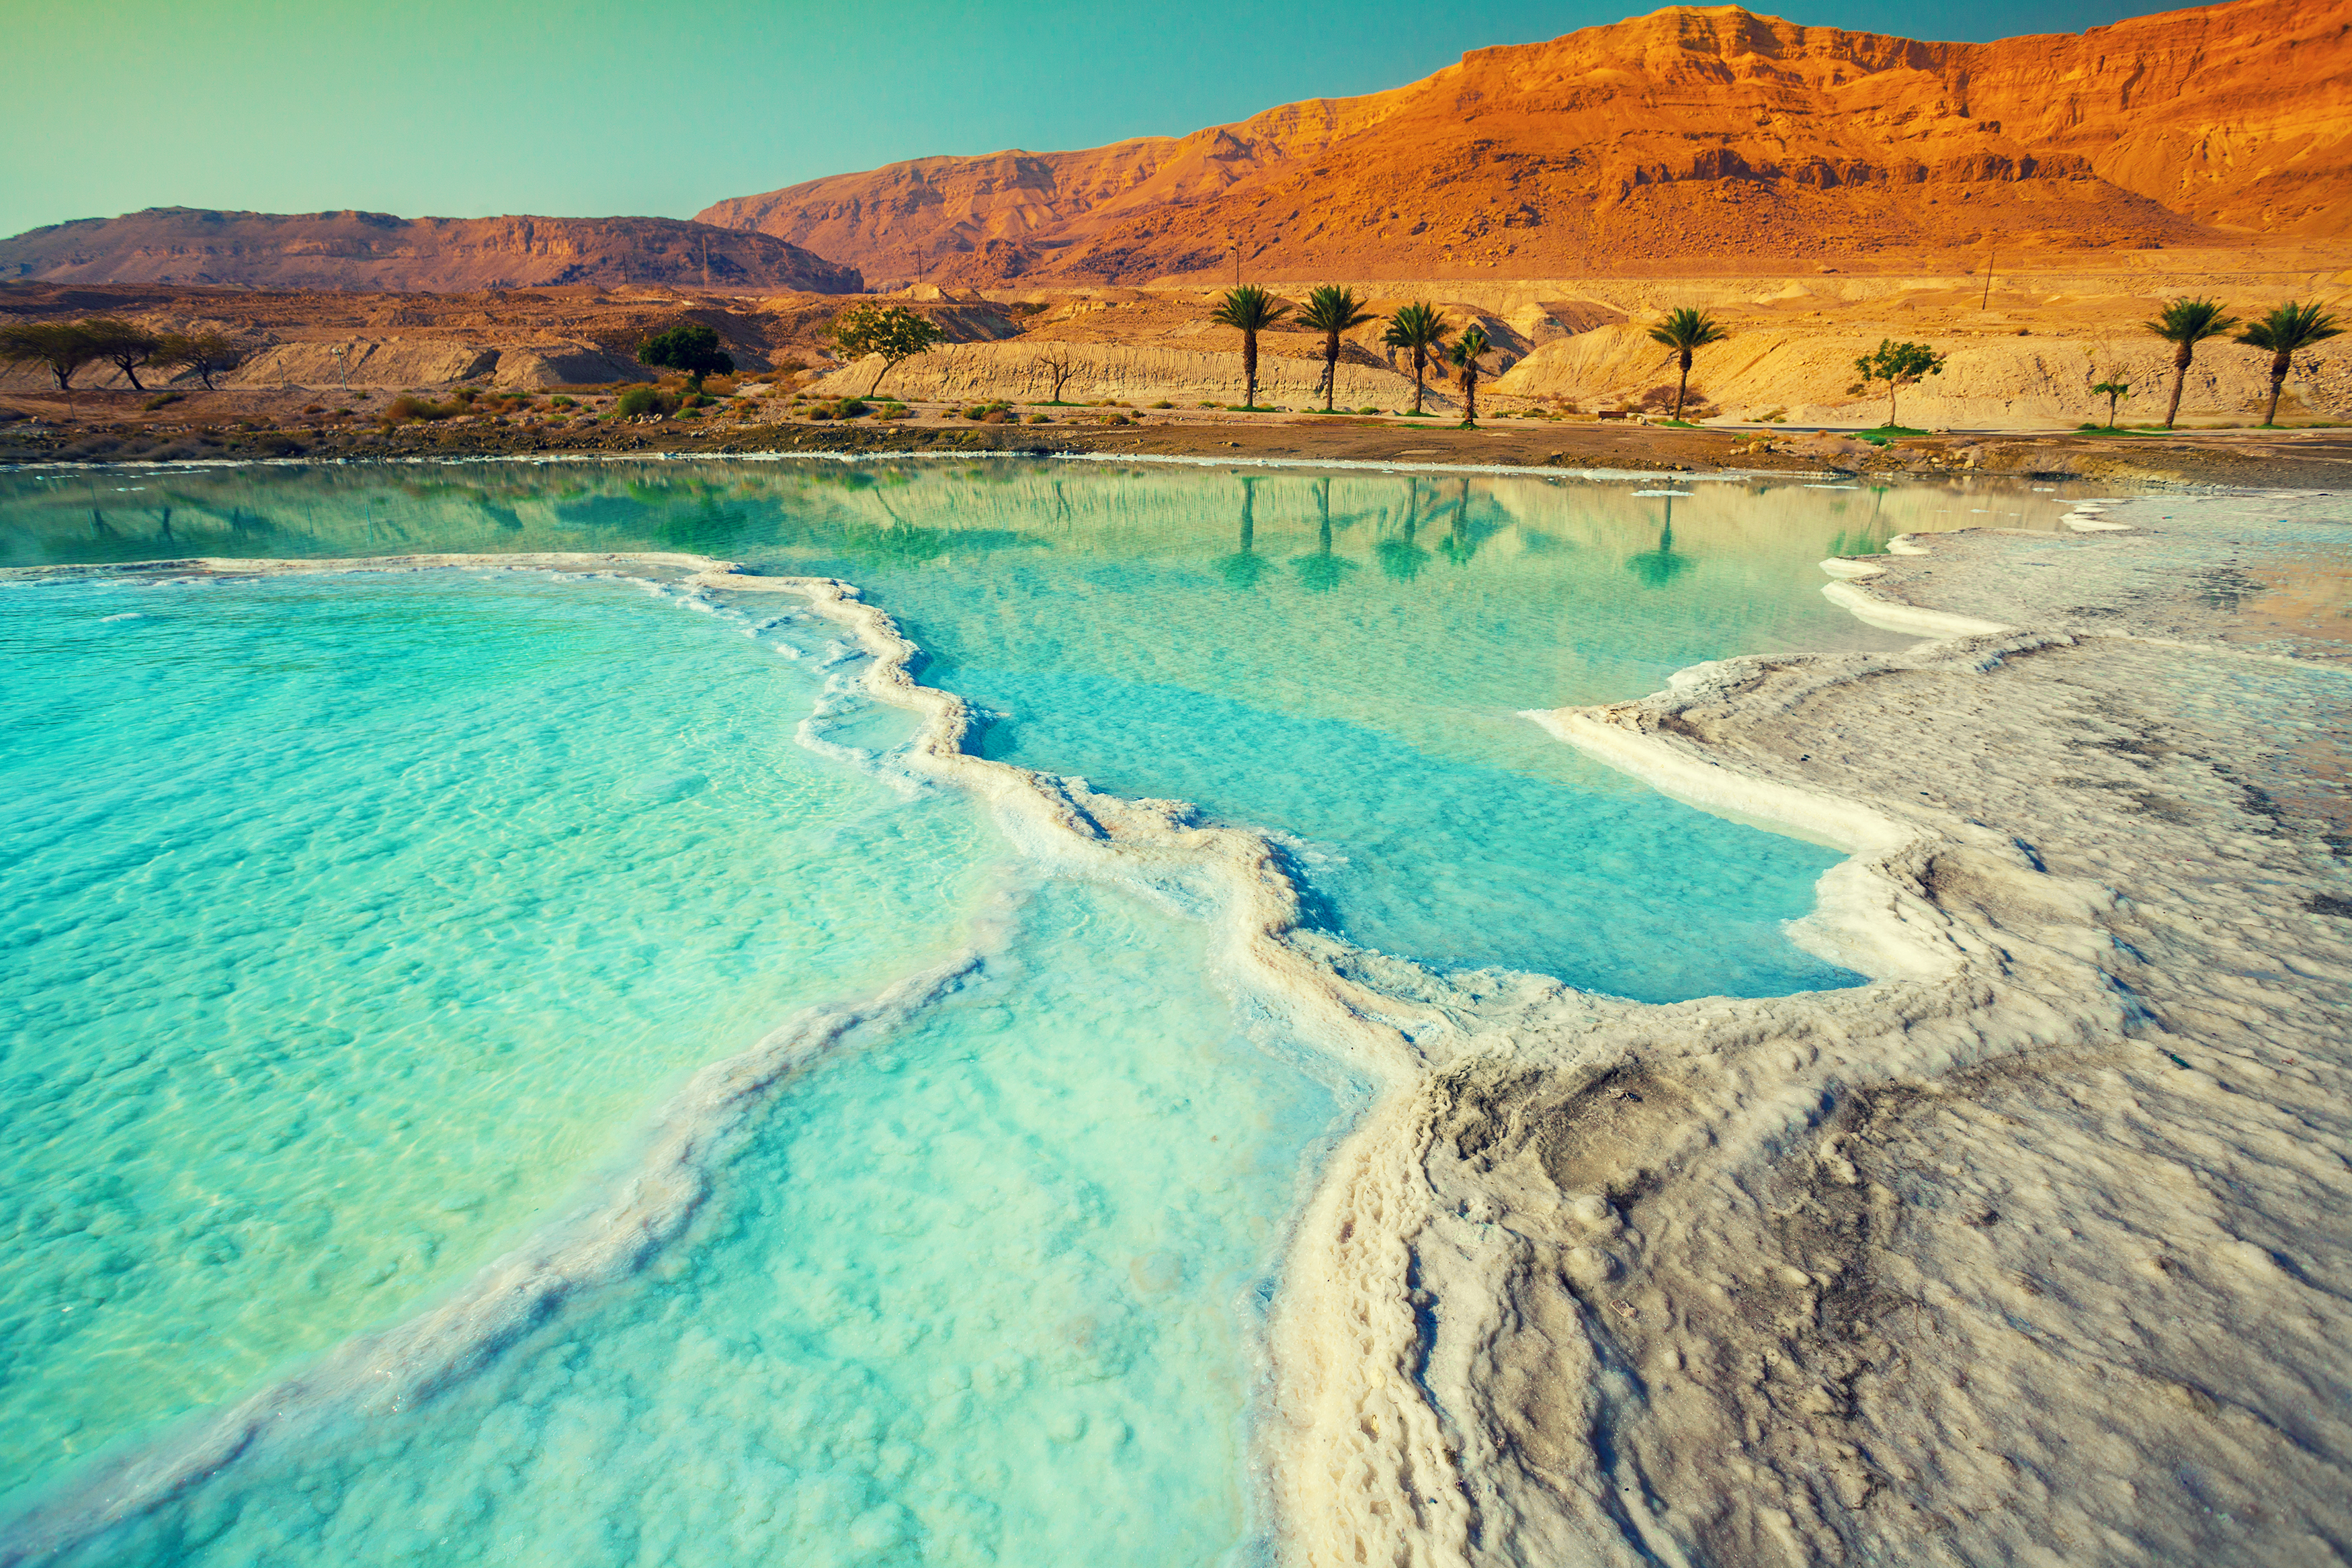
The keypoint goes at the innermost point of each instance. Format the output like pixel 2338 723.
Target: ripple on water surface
pixel 355 918
pixel 971 1295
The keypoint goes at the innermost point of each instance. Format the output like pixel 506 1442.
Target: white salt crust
pixel 2019 1253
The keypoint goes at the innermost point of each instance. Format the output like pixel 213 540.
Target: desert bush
pixel 561 402
pixel 404 409
pixel 1039 419
pixel 639 400
pixel 1163 403
pixel 720 386
pixel 163 400
pixel 989 412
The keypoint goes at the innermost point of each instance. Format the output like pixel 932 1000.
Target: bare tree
pixel 1058 365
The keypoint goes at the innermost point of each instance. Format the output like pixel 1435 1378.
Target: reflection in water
pixel 1323 571
pixel 1659 566
pixel 1400 557
pixel 1245 566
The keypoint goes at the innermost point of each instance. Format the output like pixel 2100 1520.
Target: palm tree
pixel 2285 332
pixel 2112 391
pixel 1249 311
pixel 1686 330
pixel 1467 349
pixel 1417 327
pixel 1331 311
pixel 2186 323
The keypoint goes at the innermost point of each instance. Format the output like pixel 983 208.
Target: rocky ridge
pixel 1691 131
pixel 356 250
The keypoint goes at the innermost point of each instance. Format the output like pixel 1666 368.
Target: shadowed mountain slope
pixel 353 250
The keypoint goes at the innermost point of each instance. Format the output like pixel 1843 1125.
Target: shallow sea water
pixel 366 917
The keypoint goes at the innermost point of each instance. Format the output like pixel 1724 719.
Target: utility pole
pixel 342 364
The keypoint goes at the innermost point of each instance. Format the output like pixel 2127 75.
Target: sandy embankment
pixel 2030 1251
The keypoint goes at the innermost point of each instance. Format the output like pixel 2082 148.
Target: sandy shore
pixel 256 426
pixel 2031 1250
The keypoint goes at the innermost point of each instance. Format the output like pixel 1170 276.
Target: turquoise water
pixel 353 919
pixel 363 919
pixel 971 1295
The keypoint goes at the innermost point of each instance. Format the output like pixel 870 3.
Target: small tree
pixel 1419 328
pixel 1898 365
pixel 692 348
pixel 1059 366
pixel 206 353
pixel 1686 330
pixel 125 345
pixel 1331 311
pixel 893 331
pixel 2114 392
pixel 63 348
pixel 2285 332
pixel 2184 324
pixel 1468 347
pixel 1249 311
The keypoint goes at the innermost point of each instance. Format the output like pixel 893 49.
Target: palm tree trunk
pixel 2278 384
pixel 2179 377
pixel 1890 402
pixel 1249 368
pixel 1419 369
pixel 1683 387
pixel 1330 369
pixel 1470 392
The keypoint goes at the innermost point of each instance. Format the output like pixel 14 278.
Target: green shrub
pixel 1039 419
pixel 646 400
pixel 163 400
pixel 403 409
pixel 1163 403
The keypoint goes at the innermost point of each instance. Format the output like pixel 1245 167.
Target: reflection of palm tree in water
pixel 1245 566
pixel 1457 546
pixel 1661 566
pixel 1400 557
pixel 1322 571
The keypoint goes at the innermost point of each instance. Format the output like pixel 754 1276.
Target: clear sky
pixel 463 110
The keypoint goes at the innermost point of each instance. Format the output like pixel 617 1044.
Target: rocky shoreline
pixel 2021 1253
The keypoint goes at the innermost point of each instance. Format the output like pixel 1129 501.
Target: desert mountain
pixel 1691 131
pixel 350 250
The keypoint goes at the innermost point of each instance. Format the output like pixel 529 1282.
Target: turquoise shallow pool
pixel 362 920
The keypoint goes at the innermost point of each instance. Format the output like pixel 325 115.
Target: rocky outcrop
pixel 1691 131
pixel 354 250
pixel 435 361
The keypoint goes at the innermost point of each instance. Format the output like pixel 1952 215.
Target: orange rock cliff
pixel 1690 132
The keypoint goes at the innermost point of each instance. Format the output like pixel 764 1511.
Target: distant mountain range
pixel 351 250
pixel 1693 133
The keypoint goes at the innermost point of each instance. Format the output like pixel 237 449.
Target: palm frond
pixel 2290 328
pixel 2187 320
pixel 1249 308
pixel 1332 308
pixel 1687 328
pixel 1416 326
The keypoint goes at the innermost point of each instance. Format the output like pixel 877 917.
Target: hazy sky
pixel 431 106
